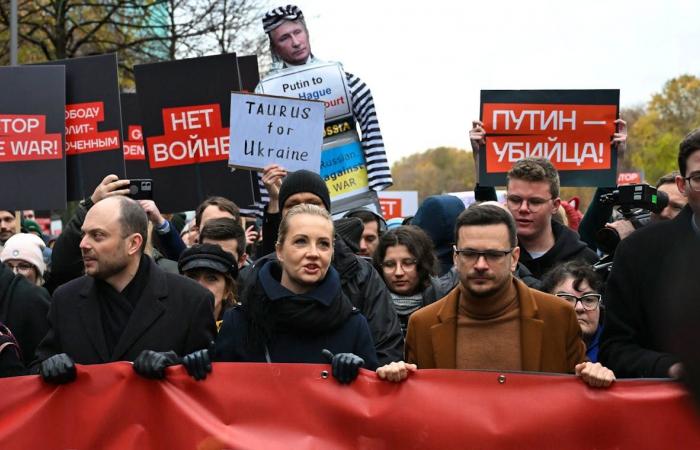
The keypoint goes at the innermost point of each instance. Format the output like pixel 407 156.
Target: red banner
pixel 23 137
pixel 294 406
pixel 133 145
pixel 82 135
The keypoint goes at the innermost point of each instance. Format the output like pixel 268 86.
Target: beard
pixel 107 269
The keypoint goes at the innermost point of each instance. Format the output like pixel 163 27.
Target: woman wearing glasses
pixel 23 255
pixel 406 261
pixel 577 283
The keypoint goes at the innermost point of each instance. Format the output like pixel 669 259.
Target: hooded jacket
pixel 437 217
pixel 567 247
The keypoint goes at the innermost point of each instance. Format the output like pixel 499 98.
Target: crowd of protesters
pixel 491 286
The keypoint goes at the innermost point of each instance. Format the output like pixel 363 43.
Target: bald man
pixel 125 304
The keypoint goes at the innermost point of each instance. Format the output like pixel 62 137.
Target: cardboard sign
pixel 398 203
pixel 573 129
pixel 319 81
pixel 185 114
pixel 93 122
pixel 343 166
pixel 266 130
pixel 32 156
pixel 134 150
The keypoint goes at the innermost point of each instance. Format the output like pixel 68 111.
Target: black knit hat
pixel 304 181
pixel 275 17
pixel 208 256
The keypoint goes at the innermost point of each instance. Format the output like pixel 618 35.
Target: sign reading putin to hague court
pixel 279 130
pixel 571 128
pixel 32 157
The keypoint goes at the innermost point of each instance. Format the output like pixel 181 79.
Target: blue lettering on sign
pixel 341 158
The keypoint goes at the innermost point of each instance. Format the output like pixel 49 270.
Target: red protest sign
pixel 81 129
pixel 629 178
pixel 391 207
pixel 133 146
pixel 192 134
pixel 23 137
pixel 565 127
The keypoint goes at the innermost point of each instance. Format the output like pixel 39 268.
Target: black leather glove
pixel 58 369
pixel 152 364
pixel 345 366
pixel 198 364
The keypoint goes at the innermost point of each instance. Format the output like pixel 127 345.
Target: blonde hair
pixel 304 208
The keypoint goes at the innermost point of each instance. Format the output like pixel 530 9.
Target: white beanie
pixel 26 247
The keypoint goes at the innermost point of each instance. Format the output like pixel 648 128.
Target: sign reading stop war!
pixel 24 138
pixel 279 130
pixel 32 127
pixel 572 129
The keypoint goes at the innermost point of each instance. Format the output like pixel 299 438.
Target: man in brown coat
pixel 491 320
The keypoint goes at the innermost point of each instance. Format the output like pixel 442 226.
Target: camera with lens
pixel 635 203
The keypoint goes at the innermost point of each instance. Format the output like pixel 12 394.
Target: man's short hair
pixel 418 244
pixel 688 146
pixel 477 215
pixel 367 216
pixel 534 170
pixel 669 178
pixel 224 229
pixel 222 203
pixel 133 219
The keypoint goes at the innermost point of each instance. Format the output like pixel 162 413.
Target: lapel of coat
pixel 531 329
pixel 91 316
pixel 444 333
pixel 148 309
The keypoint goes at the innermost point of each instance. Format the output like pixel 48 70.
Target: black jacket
pixel 350 336
pixel 367 292
pixel 567 247
pixel 172 313
pixel 23 308
pixel 654 268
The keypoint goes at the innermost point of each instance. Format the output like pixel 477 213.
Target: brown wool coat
pixel 550 334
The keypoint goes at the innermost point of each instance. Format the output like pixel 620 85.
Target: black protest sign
pixel 134 153
pixel 571 128
pixel 32 156
pixel 248 73
pixel 185 115
pixel 93 123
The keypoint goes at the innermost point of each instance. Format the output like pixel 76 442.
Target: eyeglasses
pixel 471 256
pixel 694 181
pixel 533 204
pixel 588 301
pixel 390 265
pixel 19 267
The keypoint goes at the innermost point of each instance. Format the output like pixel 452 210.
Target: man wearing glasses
pixel 654 277
pixel 493 321
pixel 533 199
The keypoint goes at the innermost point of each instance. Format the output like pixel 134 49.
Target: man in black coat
pixel 126 308
pixel 655 278
pixel 23 308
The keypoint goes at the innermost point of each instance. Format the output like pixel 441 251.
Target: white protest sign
pixel 319 81
pixel 398 203
pixel 267 130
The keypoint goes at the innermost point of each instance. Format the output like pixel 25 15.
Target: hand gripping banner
pixel 294 406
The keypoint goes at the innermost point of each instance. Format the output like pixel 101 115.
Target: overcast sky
pixel 427 61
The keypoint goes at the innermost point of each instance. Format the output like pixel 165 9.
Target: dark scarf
pixel 274 309
pixel 116 307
